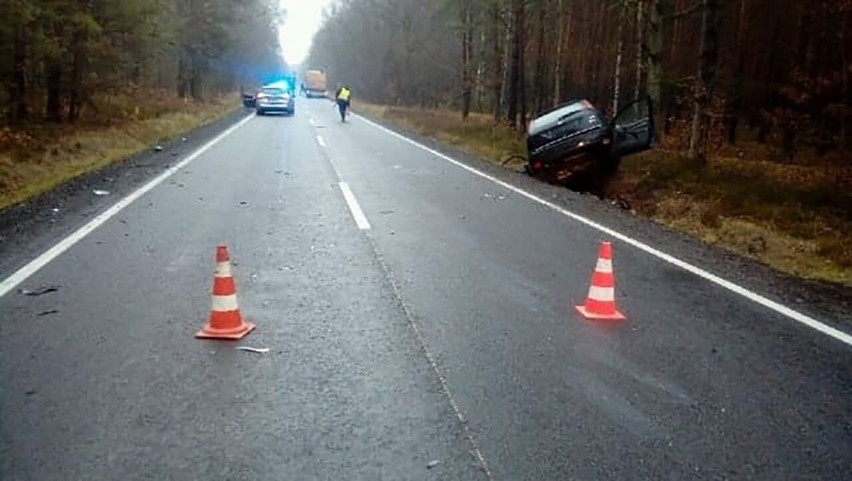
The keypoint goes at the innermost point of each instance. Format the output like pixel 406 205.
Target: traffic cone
pixel 600 303
pixel 225 322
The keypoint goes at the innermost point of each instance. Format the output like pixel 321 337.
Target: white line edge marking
pixel 321 141
pixel 742 291
pixel 352 202
pixel 45 258
pixel 336 172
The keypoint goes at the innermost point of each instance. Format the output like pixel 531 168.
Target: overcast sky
pixel 303 20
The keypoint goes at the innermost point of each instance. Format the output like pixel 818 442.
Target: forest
pixel 774 70
pixel 63 60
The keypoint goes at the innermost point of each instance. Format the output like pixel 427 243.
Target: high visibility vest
pixel 344 95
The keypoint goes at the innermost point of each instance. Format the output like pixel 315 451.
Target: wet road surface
pixel 421 325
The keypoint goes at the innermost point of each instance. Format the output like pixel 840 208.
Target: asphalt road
pixel 421 326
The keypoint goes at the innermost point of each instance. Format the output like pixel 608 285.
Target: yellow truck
pixel 315 84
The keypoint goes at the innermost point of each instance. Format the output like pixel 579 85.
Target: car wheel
pixel 260 112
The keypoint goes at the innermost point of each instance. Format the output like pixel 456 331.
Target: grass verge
pixel 795 218
pixel 37 158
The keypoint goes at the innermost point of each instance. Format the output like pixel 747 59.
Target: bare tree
pixel 706 75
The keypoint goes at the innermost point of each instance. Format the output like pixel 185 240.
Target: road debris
pixel 47 313
pixel 100 193
pixel 258 350
pixel 158 148
pixel 433 463
pixel 39 292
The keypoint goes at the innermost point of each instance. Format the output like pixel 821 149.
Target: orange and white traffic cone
pixel 225 322
pixel 600 303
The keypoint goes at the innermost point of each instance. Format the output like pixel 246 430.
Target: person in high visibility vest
pixel 344 97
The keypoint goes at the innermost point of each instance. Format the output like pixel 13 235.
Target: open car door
pixel 633 128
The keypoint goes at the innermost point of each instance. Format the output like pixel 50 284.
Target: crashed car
pixel 576 141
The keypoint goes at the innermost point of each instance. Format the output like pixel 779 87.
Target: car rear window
pixel 273 91
pixel 551 117
pixel 571 124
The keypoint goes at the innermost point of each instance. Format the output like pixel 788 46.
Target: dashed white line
pixel 735 288
pixel 352 202
pixel 321 141
pixel 42 260
pixel 336 172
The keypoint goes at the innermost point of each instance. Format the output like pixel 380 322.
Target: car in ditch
pixel 575 142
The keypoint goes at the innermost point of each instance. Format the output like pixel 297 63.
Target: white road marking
pixel 336 172
pixel 45 258
pixel 735 288
pixel 322 143
pixel 352 202
pixel 311 121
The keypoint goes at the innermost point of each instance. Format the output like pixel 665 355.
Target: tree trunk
pixel 540 60
pixel 733 103
pixel 515 72
pixel 18 88
pixel 706 75
pixel 598 16
pixel 183 75
pixel 54 91
pixel 640 49
pixel 467 34
pixel 844 57
pixel 499 53
pixel 75 95
pixel 522 67
pixel 481 71
pixel 196 79
pixel 557 69
pixel 655 54
pixel 619 53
